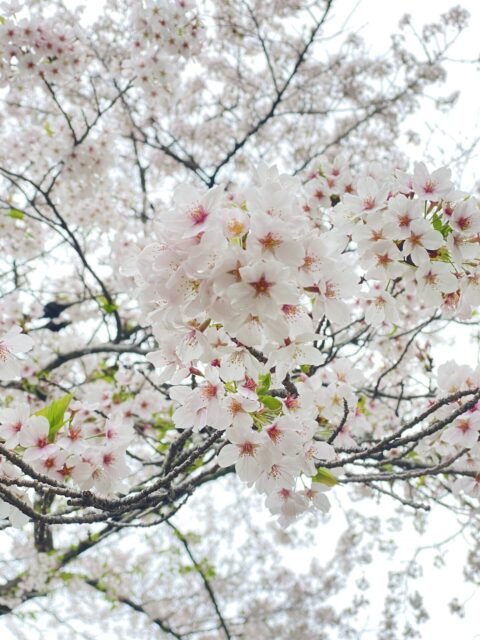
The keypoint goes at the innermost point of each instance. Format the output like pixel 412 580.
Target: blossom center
pixel 236 227
pixel 198 215
pixel 247 449
pixel 209 391
pixel 416 239
pixel 330 290
pixel 235 407
pixel 430 278
pixel 429 186
pixel 108 459
pixel 464 426
pixel 464 222
pixel 274 433
pixel 404 221
pixel 308 262
pixel 4 352
pixel 383 260
pixel 261 286
pixel 270 242
pixel 369 203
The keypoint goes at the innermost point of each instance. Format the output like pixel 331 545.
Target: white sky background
pixel 375 20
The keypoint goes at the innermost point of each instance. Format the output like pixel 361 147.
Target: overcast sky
pixel 376 20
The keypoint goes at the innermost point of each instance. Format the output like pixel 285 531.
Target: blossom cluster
pixel 243 290
pixel 242 286
pixel 42 49
pixel 78 443
pixel 161 32
pixel 171 26
pixel 460 439
pixel 84 449
pixel 416 230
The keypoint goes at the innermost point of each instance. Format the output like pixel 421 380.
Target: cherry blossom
pixel 12 422
pixel 12 343
pixel 34 437
pixel 431 186
pixel 464 431
pixel 435 279
pixel 420 240
pixel 242 450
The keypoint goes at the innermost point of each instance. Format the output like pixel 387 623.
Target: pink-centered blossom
pixel 12 343
pixel 34 437
pixel 12 422
pixel 242 451
pixel 431 186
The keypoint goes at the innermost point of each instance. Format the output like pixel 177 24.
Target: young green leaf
pixel 324 476
pixel 55 414
pixel 264 384
pixel 108 307
pixel 16 213
pixel 48 129
pixel 270 402
pixel 438 224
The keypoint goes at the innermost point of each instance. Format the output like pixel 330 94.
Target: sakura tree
pixel 215 261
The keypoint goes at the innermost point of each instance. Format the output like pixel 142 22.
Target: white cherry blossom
pixel 12 343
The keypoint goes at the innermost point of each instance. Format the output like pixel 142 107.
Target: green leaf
pixel 189 536
pixel 207 568
pixel 55 414
pixel 264 384
pixel 105 372
pixel 270 402
pixel 324 476
pixel 164 425
pixel 196 465
pixel 393 331
pixel 48 129
pixel 66 576
pixel 185 568
pixel 388 468
pixel 122 396
pixel 108 307
pixel 438 224
pixel 16 213
pixel 361 402
pixel 442 255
